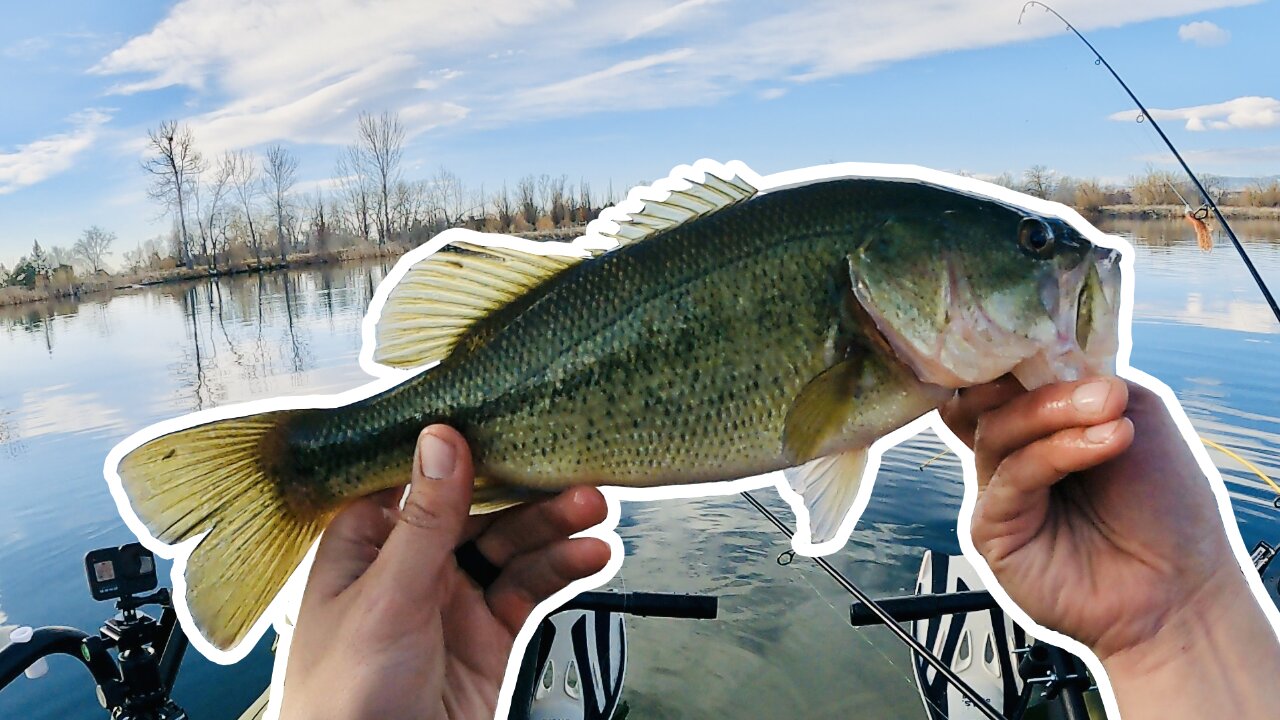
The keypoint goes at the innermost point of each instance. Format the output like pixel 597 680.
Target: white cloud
pixel 1250 112
pixel 41 159
pixel 1203 33
pixel 72 44
pixel 429 115
pixel 772 93
pixel 319 114
pixel 301 70
pixel 652 22
pixel 27 48
pixel 436 79
pixel 642 83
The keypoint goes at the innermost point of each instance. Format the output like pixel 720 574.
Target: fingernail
pixel 435 457
pixel 1091 397
pixel 1099 434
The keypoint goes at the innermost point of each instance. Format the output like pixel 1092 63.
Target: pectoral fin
pixel 852 404
pixel 829 486
pixel 836 417
pixel 819 414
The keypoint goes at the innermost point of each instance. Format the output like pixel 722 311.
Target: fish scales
pixel 671 360
pixel 788 330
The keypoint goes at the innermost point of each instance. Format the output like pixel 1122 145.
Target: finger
pixel 533 577
pixel 1045 411
pixel 430 525
pixel 533 526
pixel 962 411
pixel 349 545
pixel 1013 507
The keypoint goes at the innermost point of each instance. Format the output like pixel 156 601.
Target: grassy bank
pixel 103 282
pixel 1231 212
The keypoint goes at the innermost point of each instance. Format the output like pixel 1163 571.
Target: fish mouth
pixel 1085 311
pixel 1074 334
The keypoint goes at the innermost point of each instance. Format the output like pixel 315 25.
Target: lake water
pixel 79 377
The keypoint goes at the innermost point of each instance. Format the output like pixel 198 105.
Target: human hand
pixel 1097 521
pixel 390 627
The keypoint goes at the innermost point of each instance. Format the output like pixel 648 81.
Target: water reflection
pixel 80 376
pixel 1178 283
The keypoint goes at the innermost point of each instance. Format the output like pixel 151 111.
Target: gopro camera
pixel 119 572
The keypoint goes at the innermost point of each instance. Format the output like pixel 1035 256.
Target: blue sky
pixel 618 91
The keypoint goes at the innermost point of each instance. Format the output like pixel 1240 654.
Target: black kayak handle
pixel 921 607
pixel 647 604
pixel 17 657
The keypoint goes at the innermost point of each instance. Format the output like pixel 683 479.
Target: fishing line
pixel 1248 465
pixel 1145 116
pixel 886 619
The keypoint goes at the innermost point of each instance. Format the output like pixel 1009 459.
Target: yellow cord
pixel 1243 462
pixel 929 462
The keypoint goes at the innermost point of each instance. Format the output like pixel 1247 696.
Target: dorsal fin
pixel 440 297
pixel 701 198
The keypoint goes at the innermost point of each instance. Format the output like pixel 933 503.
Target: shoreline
pixel 1176 212
pixel 11 297
pixel 103 284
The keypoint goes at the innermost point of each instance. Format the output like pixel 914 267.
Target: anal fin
pixel 490 496
pixel 829 485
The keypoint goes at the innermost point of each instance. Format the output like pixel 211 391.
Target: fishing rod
pixel 886 619
pixel 1145 114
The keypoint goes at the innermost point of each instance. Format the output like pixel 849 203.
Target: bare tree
pixel 527 200
pixel 280 172
pixel 244 180
pixel 1039 181
pixel 380 141
pixel 134 259
pixel 556 205
pixel 319 222
pixel 59 255
pixel 1005 179
pixel 503 209
pixel 449 198
pixel 412 206
pixel 94 246
pixel 357 187
pixel 209 199
pixel 586 211
pixel 1215 185
pixel 174 163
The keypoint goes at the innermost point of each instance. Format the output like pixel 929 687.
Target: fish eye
pixel 1036 237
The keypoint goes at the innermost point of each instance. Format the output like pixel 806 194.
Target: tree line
pixel 244 210
pixel 1153 188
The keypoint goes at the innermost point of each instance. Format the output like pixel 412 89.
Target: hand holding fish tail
pixel 391 627
pixel 1097 521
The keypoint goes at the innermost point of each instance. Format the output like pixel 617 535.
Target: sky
pixel 616 93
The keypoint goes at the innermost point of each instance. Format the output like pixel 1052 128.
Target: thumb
pixel 434 515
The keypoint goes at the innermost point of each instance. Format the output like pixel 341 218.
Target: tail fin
pixel 211 477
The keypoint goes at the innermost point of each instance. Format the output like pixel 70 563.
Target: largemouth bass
pixel 729 333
